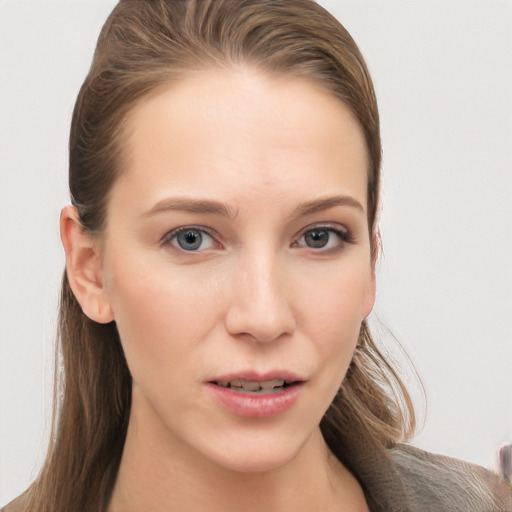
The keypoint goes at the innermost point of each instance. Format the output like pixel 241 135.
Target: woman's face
pixel 237 263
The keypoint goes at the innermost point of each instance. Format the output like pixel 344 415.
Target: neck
pixel 160 475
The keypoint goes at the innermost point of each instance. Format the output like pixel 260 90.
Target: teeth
pixel 251 385
pixel 269 385
pixel 247 385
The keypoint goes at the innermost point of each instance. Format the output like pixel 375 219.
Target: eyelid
pixel 339 229
pixel 328 226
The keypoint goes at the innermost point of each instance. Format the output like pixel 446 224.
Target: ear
pixel 83 267
pixel 372 286
pixel 370 295
pixel 376 248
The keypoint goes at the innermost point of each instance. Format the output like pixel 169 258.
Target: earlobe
pixel 83 267
pixel 371 295
pixel 372 286
pixel 376 248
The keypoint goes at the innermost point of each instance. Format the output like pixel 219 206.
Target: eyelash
pixel 344 236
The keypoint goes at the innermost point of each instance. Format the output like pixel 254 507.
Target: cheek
pixel 333 320
pixel 335 312
pixel 339 301
pixel 161 315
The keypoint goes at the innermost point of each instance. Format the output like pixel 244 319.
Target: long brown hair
pixel 144 45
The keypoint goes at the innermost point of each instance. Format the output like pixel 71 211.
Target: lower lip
pixel 253 405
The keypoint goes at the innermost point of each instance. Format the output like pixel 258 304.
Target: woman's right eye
pixel 189 239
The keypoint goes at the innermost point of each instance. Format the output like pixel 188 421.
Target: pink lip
pixel 252 405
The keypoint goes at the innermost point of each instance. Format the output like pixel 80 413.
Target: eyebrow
pixel 218 208
pixel 319 205
pixel 193 206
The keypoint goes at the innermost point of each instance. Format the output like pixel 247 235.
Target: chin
pixel 255 462
pixel 258 456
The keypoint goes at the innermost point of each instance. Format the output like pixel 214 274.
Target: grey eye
pixel 317 238
pixel 323 238
pixel 190 240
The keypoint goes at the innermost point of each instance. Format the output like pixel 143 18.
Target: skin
pixel 254 296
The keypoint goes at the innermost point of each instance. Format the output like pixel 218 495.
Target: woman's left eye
pixel 190 239
pixel 323 238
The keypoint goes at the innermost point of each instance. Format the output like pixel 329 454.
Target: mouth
pixel 256 395
pixel 255 387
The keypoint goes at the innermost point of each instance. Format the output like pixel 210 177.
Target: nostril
pixel 259 328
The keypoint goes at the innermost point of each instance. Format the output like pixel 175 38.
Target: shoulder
pixel 435 482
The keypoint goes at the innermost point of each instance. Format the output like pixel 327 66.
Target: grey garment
pixel 413 480
pixel 505 457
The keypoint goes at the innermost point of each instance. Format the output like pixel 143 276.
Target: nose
pixel 260 306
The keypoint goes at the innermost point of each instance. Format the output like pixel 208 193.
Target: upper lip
pixel 254 376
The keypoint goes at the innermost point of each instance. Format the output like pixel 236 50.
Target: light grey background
pixel 443 74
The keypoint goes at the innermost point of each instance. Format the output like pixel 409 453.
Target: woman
pixel 220 256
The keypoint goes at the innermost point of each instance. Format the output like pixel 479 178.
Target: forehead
pixel 229 132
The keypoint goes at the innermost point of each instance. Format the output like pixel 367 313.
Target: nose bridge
pixel 260 305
